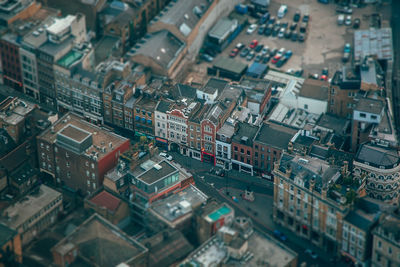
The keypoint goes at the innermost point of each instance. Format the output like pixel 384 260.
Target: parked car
pixel 244 52
pixel 314 76
pixel 282 51
pixel 259 47
pixel 296 17
pixel 284 24
pixel 288 54
pixel 302 37
pixel 294 36
pixel 251 28
pixel 258 58
pixel 306 18
pixel 344 10
pixel 281 33
pixel 261 29
pixel 278 234
pixel 253 44
pixel 220 172
pixel 207 57
pixel 273 52
pixel 356 23
pixel 269 29
pixel 165 155
pixel 299 73
pixel 265 50
pixel 264 18
pixel 293 26
pixel 271 20
pixel 346 57
pixel 250 56
pixel 340 19
pixel 325 71
pixel 266 59
pixel 281 61
pixel 276 58
pixel 311 253
pixel 348 21
pixel 239 46
pixel 347 48
pixel 234 52
pixel 303 27
pixel 282 11
pixel 323 78
pixel 288 33
pixel 275 31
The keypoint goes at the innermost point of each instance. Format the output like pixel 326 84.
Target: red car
pixel 276 58
pixel 234 52
pixel 324 78
pixel 253 44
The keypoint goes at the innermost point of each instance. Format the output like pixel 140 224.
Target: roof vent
pixel 157 167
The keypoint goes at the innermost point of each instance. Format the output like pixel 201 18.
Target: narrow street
pixel 259 211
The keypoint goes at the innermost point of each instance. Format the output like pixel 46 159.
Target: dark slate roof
pixel 6 234
pixel 337 124
pixel 230 65
pixel 319 152
pixel 377 155
pixel 6 143
pixel 214 84
pixel 163 106
pixel 275 135
pixel 23 173
pixel 245 130
pixel 184 90
pixel 358 219
pixel 370 106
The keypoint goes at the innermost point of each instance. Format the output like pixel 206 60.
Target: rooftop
pixel 6 234
pixel 314 89
pixel 226 130
pixel 369 105
pixel 20 212
pixel 332 123
pixel 106 200
pixel 6 143
pixel 69 59
pixel 378 156
pixel 78 129
pixel 177 206
pixel 223 27
pixel 275 135
pixel 101 243
pixel 361 219
pixel 210 253
pixel 230 65
pixel 23 173
pixel 163 106
pixel 214 84
pixel 153 172
pixel 215 215
pixel 245 134
pixel 373 42
pixel 293 117
pixel 56 50
pixel 14 110
pixel 183 14
pixel 162 47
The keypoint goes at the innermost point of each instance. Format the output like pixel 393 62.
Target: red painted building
pixel 10 61
pixel 77 154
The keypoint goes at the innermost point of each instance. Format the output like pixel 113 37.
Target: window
pixel 305 106
pixel 68 164
pixel 235 148
pixel 363 115
pixel 242 150
pixel 248 152
pixel 374 117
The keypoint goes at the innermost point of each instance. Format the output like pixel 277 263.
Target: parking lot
pixel 325 39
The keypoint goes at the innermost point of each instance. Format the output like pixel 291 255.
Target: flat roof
pixel 223 27
pixel 374 42
pixel 154 173
pixel 275 135
pixel 70 58
pixel 230 65
pixel 220 211
pixel 30 205
pixel 74 133
pixel 6 234
pixel 369 105
pixel 101 137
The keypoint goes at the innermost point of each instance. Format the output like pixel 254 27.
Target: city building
pixel 367 113
pixel 238 244
pixel 10 61
pixel 77 154
pixel 11 11
pixel 211 217
pixel 269 143
pixel 61 37
pixel 109 205
pixel 143 111
pixel 223 144
pixel 311 198
pixel 242 147
pixel 343 88
pixel 98 242
pixel 378 166
pixel 177 210
pixel 210 91
pixel 34 213
pixel 161 124
pixel 386 243
pixel 10 245
pixel 357 232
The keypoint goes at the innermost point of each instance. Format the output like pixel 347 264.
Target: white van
pixel 340 19
pixel 282 11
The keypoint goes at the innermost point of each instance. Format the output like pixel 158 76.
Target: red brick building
pixel 77 154
pixel 10 62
